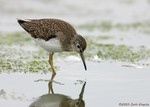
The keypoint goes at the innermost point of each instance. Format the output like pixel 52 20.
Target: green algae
pixel 118 52
pixel 25 63
pixel 107 25
pixel 18 59
pixel 14 38
pixel 123 53
pixel 127 2
pixel 104 26
pixel 105 37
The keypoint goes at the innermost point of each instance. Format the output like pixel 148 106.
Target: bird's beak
pixel 82 91
pixel 83 60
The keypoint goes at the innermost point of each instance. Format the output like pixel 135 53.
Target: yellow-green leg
pixel 50 88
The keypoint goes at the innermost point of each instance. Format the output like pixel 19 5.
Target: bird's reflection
pixel 59 100
pixel 50 89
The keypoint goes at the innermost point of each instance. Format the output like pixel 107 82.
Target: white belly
pixel 52 45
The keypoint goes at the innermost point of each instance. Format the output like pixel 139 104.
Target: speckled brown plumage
pixel 47 28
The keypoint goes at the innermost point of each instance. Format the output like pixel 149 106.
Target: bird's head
pixel 77 103
pixel 79 45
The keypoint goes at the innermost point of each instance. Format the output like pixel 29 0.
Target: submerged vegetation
pixel 107 25
pixel 118 52
pixel 19 53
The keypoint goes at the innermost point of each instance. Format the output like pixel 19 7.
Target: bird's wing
pixel 47 28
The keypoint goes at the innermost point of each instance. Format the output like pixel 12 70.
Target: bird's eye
pixel 77 104
pixel 78 46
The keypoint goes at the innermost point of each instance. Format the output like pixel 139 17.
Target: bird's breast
pixel 52 45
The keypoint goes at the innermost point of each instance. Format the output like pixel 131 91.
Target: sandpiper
pixel 54 35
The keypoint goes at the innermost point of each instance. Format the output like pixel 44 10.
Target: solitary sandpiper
pixel 54 35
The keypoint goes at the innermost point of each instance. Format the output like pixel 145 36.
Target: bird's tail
pixel 25 24
pixel 28 25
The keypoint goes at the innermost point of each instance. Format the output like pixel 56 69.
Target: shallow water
pixel 108 84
